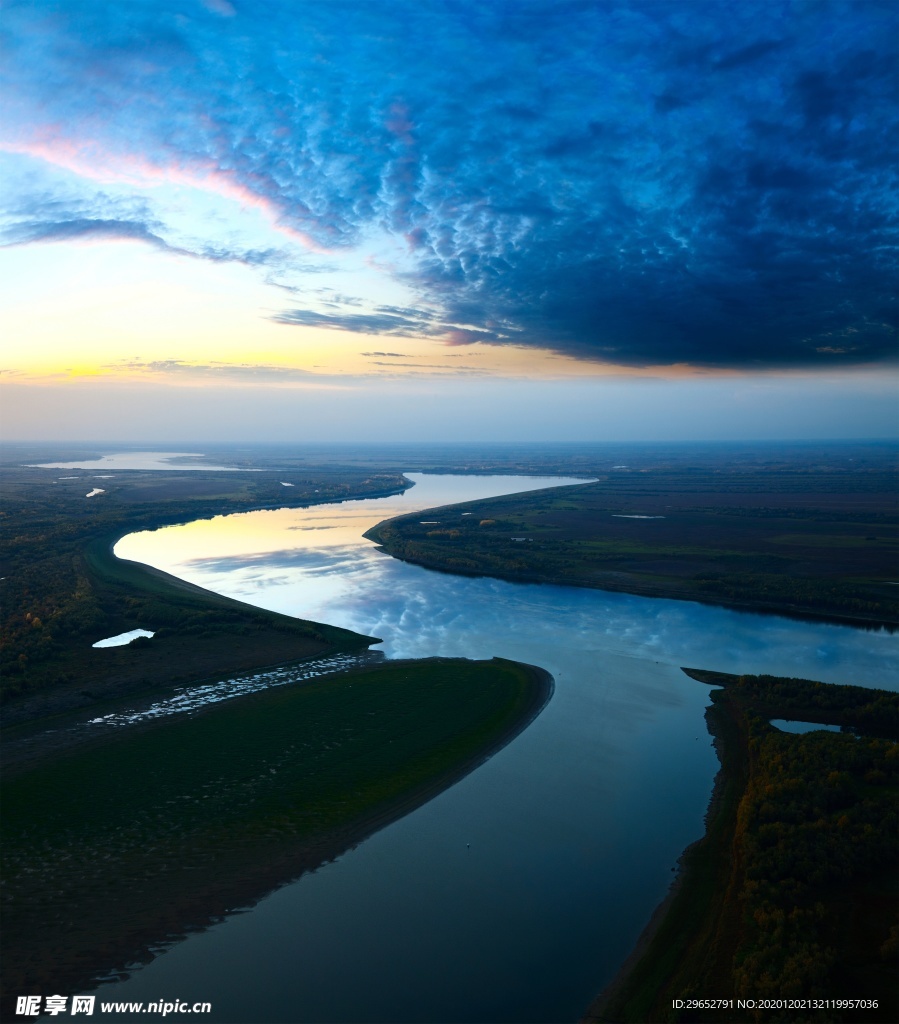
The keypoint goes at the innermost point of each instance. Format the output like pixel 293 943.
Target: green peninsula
pixel 110 851
pixel 819 540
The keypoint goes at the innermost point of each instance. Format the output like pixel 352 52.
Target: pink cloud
pixel 89 160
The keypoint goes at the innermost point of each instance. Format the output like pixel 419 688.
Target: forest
pixel 791 893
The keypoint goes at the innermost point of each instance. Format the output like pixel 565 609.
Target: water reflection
pixel 791 725
pixel 141 460
pixel 193 698
pixel 123 639
pixel 573 829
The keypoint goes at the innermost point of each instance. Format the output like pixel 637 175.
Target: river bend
pixel 516 894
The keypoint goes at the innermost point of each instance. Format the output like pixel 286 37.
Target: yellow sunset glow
pixel 123 310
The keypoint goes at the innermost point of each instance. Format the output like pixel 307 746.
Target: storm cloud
pixel 646 183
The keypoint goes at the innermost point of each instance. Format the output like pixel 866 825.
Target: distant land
pixel 810 532
pixel 792 528
pixel 63 589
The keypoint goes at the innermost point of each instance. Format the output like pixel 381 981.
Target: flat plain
pixel 813 533
pixel 63 589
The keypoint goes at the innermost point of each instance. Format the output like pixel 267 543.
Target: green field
pixel 112 849
pixel 820 540
pixel 791 894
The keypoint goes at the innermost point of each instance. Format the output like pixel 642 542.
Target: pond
pixel 790 725
pixel 122 639
pixel 516 894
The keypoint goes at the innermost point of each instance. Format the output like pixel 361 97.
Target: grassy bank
pixel 820 541
pixel 791 893
pixel 63 589
pixel 111 850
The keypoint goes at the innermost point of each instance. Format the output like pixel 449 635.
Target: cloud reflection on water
pixel 328 560
pixel 331 574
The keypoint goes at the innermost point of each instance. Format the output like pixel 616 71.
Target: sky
pixel 278 220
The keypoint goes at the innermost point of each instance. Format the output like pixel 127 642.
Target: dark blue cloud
pixel 647 183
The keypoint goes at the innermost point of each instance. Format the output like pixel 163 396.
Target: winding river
pixel 516 894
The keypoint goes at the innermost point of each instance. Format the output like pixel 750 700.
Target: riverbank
pixel 115 851
pixel 819 544
pixel 63 589
pixel 809 917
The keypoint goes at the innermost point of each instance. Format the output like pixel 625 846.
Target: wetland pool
pixel 516 894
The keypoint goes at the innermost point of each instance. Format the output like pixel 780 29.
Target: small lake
pixel 516 894
pixel 791 725
pixel 123 638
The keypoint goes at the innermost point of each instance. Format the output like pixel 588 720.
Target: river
pixel 516 894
